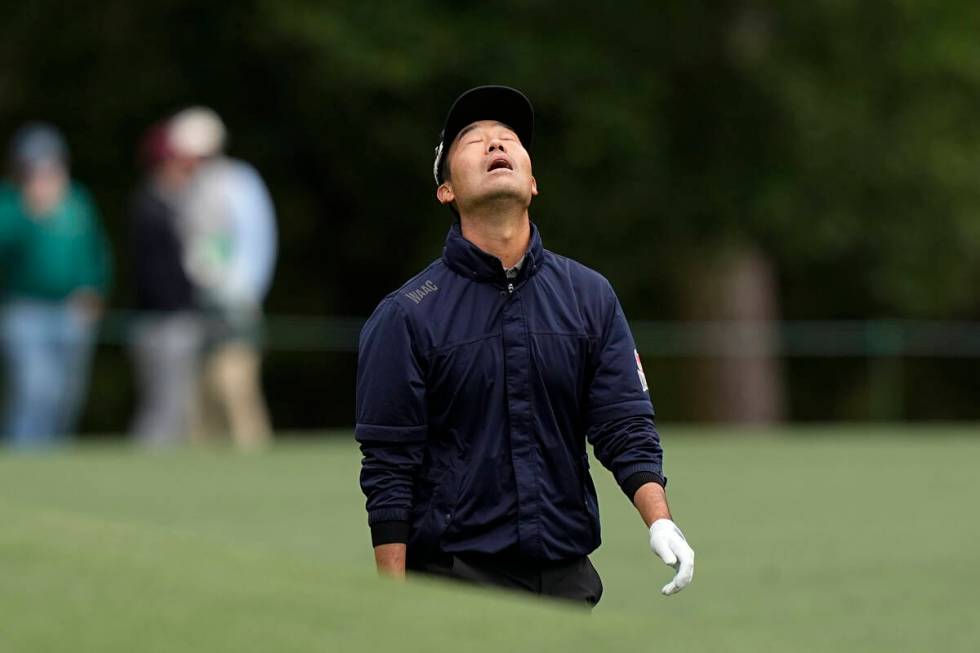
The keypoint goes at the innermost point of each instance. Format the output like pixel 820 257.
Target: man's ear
pixel 534 187
pixel 445 193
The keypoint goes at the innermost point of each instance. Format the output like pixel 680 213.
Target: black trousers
pixel 572 580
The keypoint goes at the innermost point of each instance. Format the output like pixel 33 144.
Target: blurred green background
pixel 718 161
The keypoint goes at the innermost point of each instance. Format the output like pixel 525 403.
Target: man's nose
pixel 496 146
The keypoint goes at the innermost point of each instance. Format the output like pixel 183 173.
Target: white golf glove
pixel 668 542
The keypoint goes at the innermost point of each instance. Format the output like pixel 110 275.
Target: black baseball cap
pixel 501 103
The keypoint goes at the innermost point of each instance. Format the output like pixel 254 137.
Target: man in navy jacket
pixel 481 379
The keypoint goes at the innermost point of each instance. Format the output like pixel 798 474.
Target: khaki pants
pixel 230 399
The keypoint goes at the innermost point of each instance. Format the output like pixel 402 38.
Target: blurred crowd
pixel 202 256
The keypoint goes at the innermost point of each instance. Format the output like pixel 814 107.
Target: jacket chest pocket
pixel 466 374
pixel 561 366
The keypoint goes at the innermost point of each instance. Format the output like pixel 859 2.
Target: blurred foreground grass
pixel 843 539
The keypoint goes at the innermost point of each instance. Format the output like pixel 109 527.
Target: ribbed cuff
pixel 390 532
pixel 635 481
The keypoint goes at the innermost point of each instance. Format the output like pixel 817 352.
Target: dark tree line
pixel 833 144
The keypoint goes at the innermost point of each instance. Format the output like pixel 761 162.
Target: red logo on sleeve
pixel 639 371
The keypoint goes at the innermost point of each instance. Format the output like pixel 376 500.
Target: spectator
pixel 54 271
pixel 230 251
pixel 166 338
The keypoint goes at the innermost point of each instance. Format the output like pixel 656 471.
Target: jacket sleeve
pixel 391 420
pixel 619 413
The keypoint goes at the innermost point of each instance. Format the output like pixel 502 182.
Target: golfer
pixel 481 379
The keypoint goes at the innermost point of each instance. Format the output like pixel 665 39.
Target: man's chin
pixel 502 202
pixel 504 193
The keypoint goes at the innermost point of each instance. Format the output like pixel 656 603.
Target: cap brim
pixel 500 103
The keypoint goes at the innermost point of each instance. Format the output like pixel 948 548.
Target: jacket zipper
pixel 510 289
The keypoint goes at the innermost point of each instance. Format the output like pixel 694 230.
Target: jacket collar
pixel 470 261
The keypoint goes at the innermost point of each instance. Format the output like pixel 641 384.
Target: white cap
pixel 197 131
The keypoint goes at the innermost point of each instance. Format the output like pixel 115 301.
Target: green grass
pixel 808 540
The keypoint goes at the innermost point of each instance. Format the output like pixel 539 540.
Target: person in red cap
pixel 481 380
pixel 166 338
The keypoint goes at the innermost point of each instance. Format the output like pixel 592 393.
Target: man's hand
pixel 668 542
pixel 390 560
pixel 88 303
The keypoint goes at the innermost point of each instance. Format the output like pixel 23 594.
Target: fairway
pixel 830 539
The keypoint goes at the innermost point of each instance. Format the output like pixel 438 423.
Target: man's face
pixel 487 163
pixel 176 171
pixel 44 187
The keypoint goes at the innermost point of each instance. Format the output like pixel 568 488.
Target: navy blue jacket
pixel 476 394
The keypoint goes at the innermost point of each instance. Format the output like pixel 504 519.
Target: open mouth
pixel 500 163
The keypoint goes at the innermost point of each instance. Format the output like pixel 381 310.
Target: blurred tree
pixel 878 196
pixel 832 144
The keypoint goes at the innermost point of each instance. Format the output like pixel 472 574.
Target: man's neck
pixel 505 236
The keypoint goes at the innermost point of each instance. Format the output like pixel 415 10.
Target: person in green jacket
pixel 54 273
